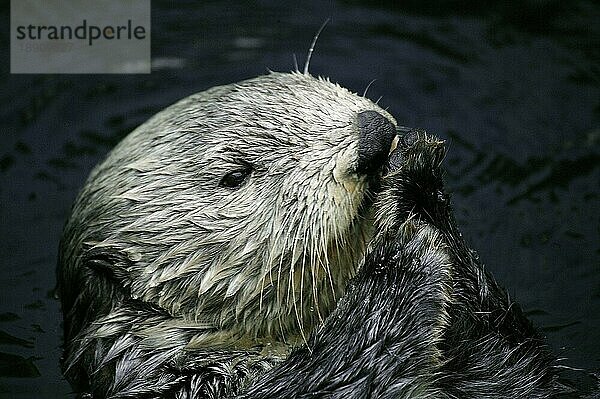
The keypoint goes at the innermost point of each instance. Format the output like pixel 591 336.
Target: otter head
pixel 243 208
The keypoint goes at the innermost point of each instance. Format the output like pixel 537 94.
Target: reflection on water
pixel 514 90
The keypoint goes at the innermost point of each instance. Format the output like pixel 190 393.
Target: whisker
pixel 323 258
pixel 367 88
pixel 312 45
pixel 315 234
pixel 279 290
pixel 262 289
pixel 304 248
pixel 291 279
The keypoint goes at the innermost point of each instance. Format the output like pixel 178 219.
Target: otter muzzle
pixel 376 134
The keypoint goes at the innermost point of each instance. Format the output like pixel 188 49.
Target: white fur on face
pixel 266 258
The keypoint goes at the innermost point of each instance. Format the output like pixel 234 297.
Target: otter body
pixel 255 240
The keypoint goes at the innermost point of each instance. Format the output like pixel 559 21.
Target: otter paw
pixel 416 151
pixel 412 182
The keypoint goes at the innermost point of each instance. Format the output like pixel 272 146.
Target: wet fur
pixel 153 300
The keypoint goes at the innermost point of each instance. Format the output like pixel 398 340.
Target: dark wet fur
pixel 421 319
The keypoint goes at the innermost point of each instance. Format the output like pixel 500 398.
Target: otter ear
pixel 91 290
pixel 108 264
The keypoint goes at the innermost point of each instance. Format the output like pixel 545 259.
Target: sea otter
pixel 283 237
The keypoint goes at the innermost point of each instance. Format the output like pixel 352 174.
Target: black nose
pixel 375 139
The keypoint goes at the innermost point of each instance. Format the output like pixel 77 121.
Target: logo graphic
pixel 80 36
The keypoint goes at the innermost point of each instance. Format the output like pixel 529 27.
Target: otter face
pixel 242 208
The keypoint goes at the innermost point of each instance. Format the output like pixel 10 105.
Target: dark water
pixel 514 90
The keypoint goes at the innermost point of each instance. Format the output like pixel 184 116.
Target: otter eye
pixel 235 178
